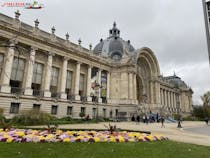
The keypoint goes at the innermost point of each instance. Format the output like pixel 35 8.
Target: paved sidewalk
pixel 170 130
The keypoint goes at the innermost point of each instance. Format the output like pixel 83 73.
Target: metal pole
pixel 97 105
pixel 96 110
pixel 206 26
pixel 179 115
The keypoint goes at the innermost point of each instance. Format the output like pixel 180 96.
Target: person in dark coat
pixel 162 119
pixel 157 117
pixel 138 119
pixel 87 117
pixel 133 118
pixel 207 120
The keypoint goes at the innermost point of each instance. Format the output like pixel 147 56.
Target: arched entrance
pixel 140 88
pixel 143 80
pixel 147 71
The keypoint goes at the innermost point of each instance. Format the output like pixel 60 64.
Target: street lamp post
pixel 206 11
pixel 179 115
pixel 96 103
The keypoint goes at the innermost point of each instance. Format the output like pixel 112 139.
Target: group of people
pixel 149 118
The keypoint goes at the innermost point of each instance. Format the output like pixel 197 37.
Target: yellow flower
pixel 105 140
pixel 41 137
pixel 112 139
pixel 69 132
pixel 158 137
pixel 121 139
pixel 49 136
pixel 66 140
pixel 96 139
pixel 130 134
pixel 137 134
pixel 58 132
pixel 80 132
pixel 150 137
pixel 9 140
pixel 20 134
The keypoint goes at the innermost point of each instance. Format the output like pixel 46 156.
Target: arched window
pixel 116 56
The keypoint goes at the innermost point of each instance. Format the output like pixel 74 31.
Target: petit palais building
pixel 40 70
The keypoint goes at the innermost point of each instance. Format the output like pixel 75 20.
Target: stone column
pixel 180 102
pixel 89 98
pixel 169 100
pixel 130 88
pixel 134 87
pixel 172 103
pixel 164 97
pixel 99 82
pixel 151 92
pixel 63 78
pixel 48 70
pixel 76 84
pixel 174 100
pixel 5 86
pixel 29 73
pixel 108 85
pixel 174 96
pixel 157 91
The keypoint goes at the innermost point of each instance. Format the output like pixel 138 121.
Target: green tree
pixel 82 114
pixel 206 99
pixel 201 112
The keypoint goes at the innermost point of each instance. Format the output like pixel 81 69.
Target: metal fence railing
pixel 17 90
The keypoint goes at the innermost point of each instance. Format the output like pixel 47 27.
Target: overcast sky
pixel 173 29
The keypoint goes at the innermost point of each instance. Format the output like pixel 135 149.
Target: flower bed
pixel 29 135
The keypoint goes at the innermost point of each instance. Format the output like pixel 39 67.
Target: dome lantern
pixel 114 32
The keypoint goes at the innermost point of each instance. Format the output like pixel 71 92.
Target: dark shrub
pixel 33 117
pixel 82 114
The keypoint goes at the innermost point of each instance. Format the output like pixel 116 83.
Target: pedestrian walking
pixel 138 119
pixel 144 119
pixel 162 122
pixel 179 123
pixel 157 117
pixel 206 120
pixel 87 118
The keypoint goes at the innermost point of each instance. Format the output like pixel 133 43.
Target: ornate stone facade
pixel 41 70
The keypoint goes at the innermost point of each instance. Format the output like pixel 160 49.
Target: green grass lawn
pixel 165 149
